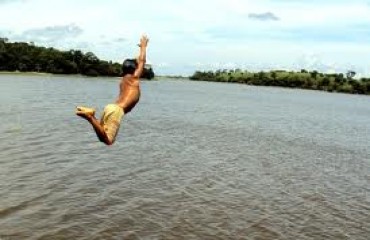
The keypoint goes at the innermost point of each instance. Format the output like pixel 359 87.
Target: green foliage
pixel 302 79
pixel 26 57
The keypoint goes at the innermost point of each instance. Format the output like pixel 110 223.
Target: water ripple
pixel 193 161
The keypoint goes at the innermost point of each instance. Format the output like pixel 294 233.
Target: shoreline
pixel 44 74
pixel 173 77
pixel 335 82
pixel 164 78
pixel 25 73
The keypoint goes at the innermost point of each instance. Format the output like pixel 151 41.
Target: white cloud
pixel 267 16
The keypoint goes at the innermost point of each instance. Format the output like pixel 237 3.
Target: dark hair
pixel 129 66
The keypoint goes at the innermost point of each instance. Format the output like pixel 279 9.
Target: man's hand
pixel 143 41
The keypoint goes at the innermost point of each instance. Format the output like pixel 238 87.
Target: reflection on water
pixel 192 161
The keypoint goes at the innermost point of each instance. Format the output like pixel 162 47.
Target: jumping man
pixel 106 129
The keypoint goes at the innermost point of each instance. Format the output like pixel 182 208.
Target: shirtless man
pixel 107 128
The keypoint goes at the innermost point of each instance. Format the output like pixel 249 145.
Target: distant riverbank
pixel 42 74
pixel 173 77
pixel 24 73
pixel 27 57
pixel 344 83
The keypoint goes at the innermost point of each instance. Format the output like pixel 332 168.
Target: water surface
pixel 194 160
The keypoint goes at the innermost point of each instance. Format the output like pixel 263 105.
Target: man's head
pixel 129 66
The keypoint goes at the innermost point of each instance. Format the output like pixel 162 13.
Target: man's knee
pixel 106 141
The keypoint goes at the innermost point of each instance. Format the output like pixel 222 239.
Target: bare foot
pixel 85 112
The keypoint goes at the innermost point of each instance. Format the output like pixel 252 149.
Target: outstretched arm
pixel 141 60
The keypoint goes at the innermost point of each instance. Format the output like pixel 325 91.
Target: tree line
pixel 26 57
pixel 336 82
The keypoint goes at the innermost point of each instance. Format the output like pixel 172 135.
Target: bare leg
pixel 89 115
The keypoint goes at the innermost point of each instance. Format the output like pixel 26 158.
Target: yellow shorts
pixel 111 120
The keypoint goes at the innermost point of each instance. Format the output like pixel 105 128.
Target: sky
pixel 190 35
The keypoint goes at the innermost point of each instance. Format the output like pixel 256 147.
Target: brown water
pixel 192 161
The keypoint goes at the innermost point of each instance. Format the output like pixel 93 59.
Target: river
pixel 193 160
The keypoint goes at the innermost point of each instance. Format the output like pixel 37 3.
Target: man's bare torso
pixel 129 93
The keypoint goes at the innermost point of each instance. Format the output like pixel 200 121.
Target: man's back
pixel 129 93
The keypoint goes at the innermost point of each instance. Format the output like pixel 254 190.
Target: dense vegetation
pixel 26 57
pixel 307 80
